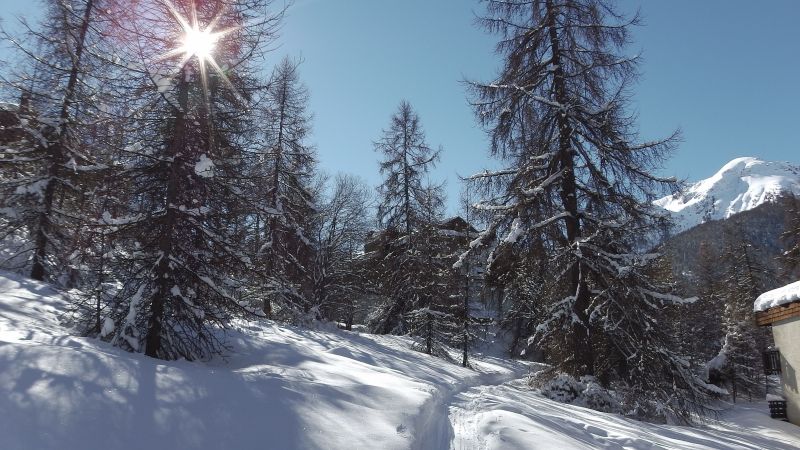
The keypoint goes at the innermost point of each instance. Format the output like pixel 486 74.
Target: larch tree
pixel 791 239
pixel 579 185
pixel 699 326
pixel 189 203
pixel 436 289
pixel 287 249
pixel 408 206
pixel 49 168
pixel 406 199
pixel 467 282
pixel 522 281
pixel 738 363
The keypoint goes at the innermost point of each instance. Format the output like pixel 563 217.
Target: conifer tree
pixel 50 166
pixel 738 363
pixel 700 326
pixel 579 181
pixel 189 204
pixel 791 240
pixel 523 282
pixel 434 320
pixel 407 211
pixel 287 250
pixel 466 280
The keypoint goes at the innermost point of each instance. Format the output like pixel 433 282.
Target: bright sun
pixel 199 43
pixel 195 41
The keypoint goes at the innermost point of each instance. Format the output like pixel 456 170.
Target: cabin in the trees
pixel 10 130
pixel 780 309
pixel 18 122
pixel 452 235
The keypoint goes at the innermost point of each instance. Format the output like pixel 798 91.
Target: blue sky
pixel 724 71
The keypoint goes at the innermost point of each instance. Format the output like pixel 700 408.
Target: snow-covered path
pixel 437 429
pixel 511 416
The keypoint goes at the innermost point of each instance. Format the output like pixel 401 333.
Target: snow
pixel 515 232
pixel 204 167
pixel 163 83
pixel 777 297
pixel 109 220
pixel 35 188
pixel 512 416
pixel 108 327
pixel 741 185
pixel 283 387
pixel 9 213
pixel 296 388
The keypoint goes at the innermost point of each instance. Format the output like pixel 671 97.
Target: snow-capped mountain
pixel 740 185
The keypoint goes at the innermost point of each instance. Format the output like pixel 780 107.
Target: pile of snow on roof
pixel 777 297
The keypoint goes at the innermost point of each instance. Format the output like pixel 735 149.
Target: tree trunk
pixel 466 319
pixel 38 271
pixel 163 271
pixel 429 335
pixel 581 343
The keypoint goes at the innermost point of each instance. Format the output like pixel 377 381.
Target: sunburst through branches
pixel 199 41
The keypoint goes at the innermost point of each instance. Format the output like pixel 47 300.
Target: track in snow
pixel 511 416
pixel 436 427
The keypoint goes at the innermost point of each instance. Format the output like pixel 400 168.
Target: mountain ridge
pixel 740 185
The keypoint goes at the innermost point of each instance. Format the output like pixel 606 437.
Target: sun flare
pixel 199 43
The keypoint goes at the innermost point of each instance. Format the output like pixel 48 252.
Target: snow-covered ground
pixel 291 388
pixel 511 416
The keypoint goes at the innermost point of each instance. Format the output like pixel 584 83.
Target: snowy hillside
pixel 290 388
pixel 740 185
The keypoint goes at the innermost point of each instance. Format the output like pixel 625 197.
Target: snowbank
pixel 777 297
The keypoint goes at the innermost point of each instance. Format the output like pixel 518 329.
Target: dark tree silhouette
pixel 579 186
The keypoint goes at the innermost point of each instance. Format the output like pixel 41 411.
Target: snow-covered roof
pixel 456 223
pixel 777 297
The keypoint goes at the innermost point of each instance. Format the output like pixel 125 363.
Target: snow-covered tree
pixel 791 239
pixel 467 280
pixel 286 250
pixel 738 363
pixel 408 209
pixel 407 201
pixel 189 202
pixel 579 183
pixel 49 168
pixel 522 281
pixel 343 223
pixel 698 325
pixel 437 318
